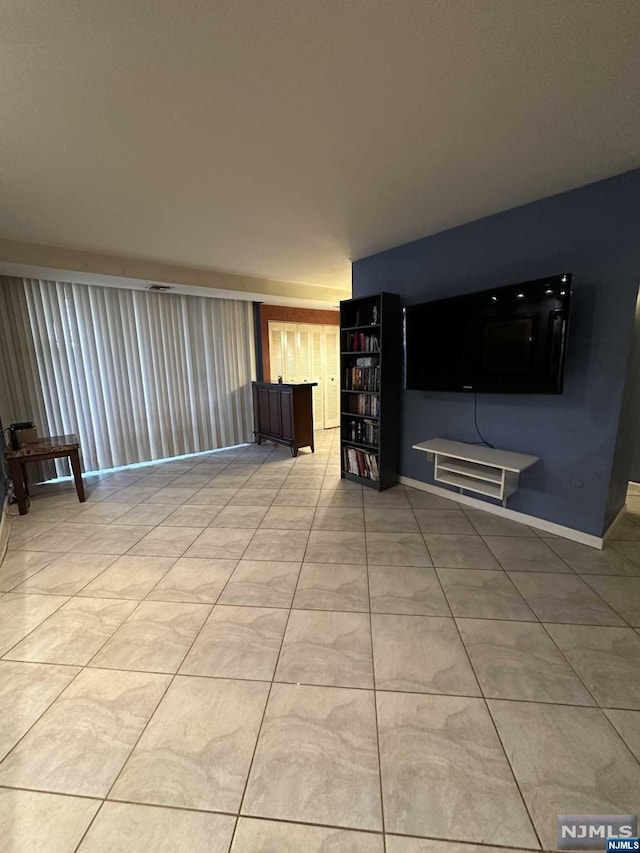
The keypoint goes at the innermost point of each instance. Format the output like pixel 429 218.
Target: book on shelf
pixel 362 432
pixel 361 463
pixel 363 404
pixel 362 378
pixel 359 342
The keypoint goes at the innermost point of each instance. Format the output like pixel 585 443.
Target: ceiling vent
pixel 160 288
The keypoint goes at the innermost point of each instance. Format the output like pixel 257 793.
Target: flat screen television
pixel 510 340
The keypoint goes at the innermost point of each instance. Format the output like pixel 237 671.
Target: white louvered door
pixel 276 351
pixel 331 376
pixel 317 371
pixel 301 352
pixel 289 353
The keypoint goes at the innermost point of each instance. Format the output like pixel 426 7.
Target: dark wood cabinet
pixel 284 413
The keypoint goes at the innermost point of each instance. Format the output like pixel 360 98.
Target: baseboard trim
pixel 4 528
pixel 511 514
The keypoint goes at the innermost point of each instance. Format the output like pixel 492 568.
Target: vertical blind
pixel 138 375
pixel 20 390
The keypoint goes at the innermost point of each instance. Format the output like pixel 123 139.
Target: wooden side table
pixel 46 448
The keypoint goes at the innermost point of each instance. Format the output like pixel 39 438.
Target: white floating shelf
pixel 472 468
pixel 469 469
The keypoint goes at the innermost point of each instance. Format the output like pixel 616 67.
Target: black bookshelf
pixel 370 382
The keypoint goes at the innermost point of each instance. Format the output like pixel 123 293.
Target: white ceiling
pixel 280 138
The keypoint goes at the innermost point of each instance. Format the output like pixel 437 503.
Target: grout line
pixel 114 597
pixel 569 570
pixel 81 669
pixel 151 716
pixel 594 706
pixel 480 845
pixel 610 606
pixel 88 827
pixel 510 766
pixel 162 697
pixel 292 822
pixel 266 705
pixel 486 706
pixel 619 734
pixel 516 591
pixel 375 694
pixel 39 625
pixel 5 787
pixel 600 707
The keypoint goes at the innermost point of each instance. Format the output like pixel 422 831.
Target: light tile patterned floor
pixel 240 652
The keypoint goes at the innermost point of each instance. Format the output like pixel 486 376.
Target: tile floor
pixel 240 652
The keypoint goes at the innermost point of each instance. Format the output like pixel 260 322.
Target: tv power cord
pixel 475 421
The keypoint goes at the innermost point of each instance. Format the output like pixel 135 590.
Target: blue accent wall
pixel 594 233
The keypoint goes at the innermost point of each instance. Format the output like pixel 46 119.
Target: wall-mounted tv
pixel 509 340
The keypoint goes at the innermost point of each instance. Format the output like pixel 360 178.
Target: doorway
pixel 305 352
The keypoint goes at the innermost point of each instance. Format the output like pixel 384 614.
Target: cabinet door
pixel 286 414
pixel 275 419
pixel 263 410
